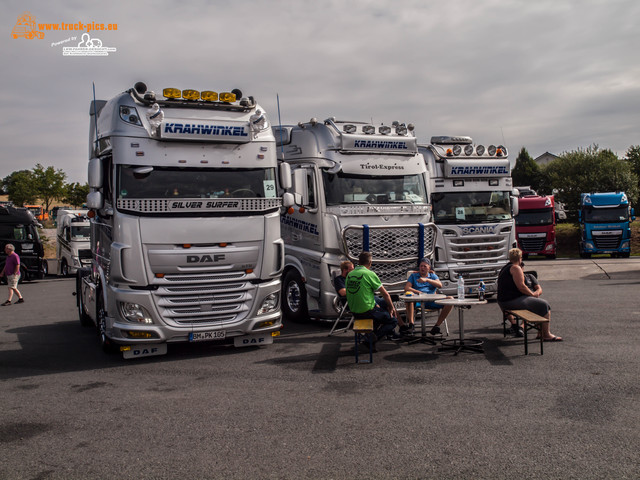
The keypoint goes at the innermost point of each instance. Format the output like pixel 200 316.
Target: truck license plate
pixel 204 336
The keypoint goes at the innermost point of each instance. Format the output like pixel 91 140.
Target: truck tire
pixel 64 268
pixel 85 320
pixel 294 298
pixel 101 324
pixel 45 267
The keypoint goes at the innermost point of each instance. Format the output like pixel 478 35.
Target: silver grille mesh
pixel 142 205
pixel 392 244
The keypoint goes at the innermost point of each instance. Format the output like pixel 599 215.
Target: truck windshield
pixel 541 216
pixel 80 232
pixel 471 207
pixel 605 215
pixel 165 182
pixel 13 232
pixel 342 188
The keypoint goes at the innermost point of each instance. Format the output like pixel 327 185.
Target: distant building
pixel 545 159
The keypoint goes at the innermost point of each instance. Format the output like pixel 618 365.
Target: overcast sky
pixel 545 75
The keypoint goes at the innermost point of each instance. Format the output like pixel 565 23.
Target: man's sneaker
pixel 435 330
pixel 394 337
pixel 406 329
pixel 517 331
pixel 20 300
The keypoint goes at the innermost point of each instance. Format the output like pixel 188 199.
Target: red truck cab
pixel 536 226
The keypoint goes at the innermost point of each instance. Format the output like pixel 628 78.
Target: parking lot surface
pixel 301 408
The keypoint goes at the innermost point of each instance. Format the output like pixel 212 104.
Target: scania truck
pixel 605 220
pixel 185 221
pixel 473 208
pixel 536 225
pixel 363 188
pixel 73 250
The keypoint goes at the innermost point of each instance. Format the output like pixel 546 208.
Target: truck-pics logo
pixel 26 27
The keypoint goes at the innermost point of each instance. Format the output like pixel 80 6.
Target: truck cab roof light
pixel 130 115
pixel 401 129
pixel 501 151
pixel 492 150
pixel 190 94
pixel 369 129
pixel 457 150
pixel 349 128
pixel 171 93
pixel 209 96
pixel 468 150
pixel 224 244
pixel 227 97
pixel 449 152
pixel 186 245
pixel 480 150
pixel 384 129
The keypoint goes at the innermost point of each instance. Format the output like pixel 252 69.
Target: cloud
pixel 547 75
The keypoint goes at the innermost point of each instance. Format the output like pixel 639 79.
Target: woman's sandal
pixel 555 338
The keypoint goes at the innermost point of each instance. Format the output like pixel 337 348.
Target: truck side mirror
pixel 300 186
pixel 288 200
pixel 515 206
pixel 95 175
pixel 95 200
pixel 285 176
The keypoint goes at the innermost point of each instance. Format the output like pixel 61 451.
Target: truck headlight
pixel 625 245
pixel 132 312
pixel 589 245
pixel 269 304
pixel 76 262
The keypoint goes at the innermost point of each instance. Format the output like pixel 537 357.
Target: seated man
pixel 425 281
pixel 339 281
pixel 361 285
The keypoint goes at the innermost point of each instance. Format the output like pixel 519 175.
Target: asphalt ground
pixel 301 408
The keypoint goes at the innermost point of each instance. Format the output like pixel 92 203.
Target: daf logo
pixel 205 258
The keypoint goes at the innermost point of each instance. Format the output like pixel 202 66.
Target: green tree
pixel 21 188
pixel 590 170
pixel 76 194
pixel 526 171
pixel 633 157
pixel 49 184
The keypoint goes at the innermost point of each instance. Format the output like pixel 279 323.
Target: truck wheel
pixel 101 322
pixel 294 298
pixel 625 254
pixel 64 269
pixel 85 320
pixel 45 267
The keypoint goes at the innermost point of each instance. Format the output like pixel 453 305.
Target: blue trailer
pixel 605 220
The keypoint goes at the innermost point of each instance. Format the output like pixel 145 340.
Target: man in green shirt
pixel 361 285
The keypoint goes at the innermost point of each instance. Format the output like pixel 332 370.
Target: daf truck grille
pixel 203 304
pixel 532 244
pixel 607 242
pixel 142 205
pixel 390 243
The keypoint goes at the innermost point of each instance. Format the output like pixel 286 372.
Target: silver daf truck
pixel 185 221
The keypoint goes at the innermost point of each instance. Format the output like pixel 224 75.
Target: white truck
pixel 473 208
pixel 363 188
pixel 185 221
pixel 73 249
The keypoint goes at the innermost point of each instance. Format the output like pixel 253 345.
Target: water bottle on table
pixel 460 287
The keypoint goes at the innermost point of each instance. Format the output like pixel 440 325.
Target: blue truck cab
pixel 605 224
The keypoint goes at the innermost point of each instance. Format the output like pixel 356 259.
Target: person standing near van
pixel 12 271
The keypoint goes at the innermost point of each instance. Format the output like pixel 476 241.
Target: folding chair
pixel 340 304
pixel 428 313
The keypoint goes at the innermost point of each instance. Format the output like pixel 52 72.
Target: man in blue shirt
pixel 425 281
